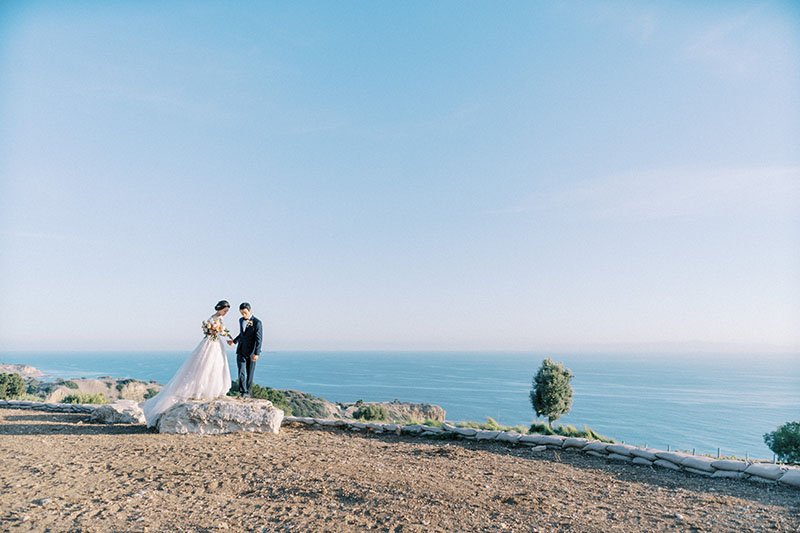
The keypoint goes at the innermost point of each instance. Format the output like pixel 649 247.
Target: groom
pixel 248 348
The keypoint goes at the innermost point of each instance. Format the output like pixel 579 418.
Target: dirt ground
pixel 59 473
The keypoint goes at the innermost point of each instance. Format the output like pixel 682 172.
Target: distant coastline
pixel 677 401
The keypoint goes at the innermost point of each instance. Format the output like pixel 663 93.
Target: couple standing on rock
pixel 205 374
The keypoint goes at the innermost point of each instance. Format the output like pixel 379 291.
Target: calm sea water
pixel 684 401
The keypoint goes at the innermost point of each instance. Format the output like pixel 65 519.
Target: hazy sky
pixel 401 175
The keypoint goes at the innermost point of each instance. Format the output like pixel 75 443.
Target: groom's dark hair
pixel 244 305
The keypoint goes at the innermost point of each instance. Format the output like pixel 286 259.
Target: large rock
pixel 223 415
pixel 119 412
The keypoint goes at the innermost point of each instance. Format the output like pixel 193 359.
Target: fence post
pixel 718 453
pixel 668 446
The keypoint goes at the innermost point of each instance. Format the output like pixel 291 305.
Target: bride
pixel 204 375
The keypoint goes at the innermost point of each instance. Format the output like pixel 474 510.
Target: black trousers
pixel 247 367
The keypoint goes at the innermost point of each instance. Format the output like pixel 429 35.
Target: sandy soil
pixel 59 473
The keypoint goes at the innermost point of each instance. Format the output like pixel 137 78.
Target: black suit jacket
pixel 248 341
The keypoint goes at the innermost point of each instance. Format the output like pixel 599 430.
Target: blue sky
pixel 406 175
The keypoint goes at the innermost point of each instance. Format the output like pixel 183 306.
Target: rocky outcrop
pixel 112 389
pixel 303 404
pixel 119 412
pixel 25 371
pixel 136 390
pixel 223 415
pixel 401 411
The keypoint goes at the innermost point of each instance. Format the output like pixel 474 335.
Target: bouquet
pixel 214 328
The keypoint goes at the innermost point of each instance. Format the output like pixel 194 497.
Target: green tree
pixel 785 442
pixel 551 395
pixel 11 386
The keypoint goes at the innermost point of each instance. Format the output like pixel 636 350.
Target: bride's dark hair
pixel 222 304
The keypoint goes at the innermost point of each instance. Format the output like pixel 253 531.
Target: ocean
pixel 686 402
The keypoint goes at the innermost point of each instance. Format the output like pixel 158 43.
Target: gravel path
pixel 59 473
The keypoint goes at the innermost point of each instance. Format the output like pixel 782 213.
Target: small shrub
pixel 264 393
pixel 432 423
pixel 273 395
pixel 491 424
pixel 70 384
pixel 32 387
pixel 97 399
pixel 150 393
pixel 568 431
pixel 541 429
pixel 122 382
pixel 24 396
pixel 11 386
pixel 785 442
pixel 371 412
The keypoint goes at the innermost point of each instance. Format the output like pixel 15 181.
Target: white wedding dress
pixel 204 375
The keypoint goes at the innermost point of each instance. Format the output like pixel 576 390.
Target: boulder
pixel 119 412
pixel 223 415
